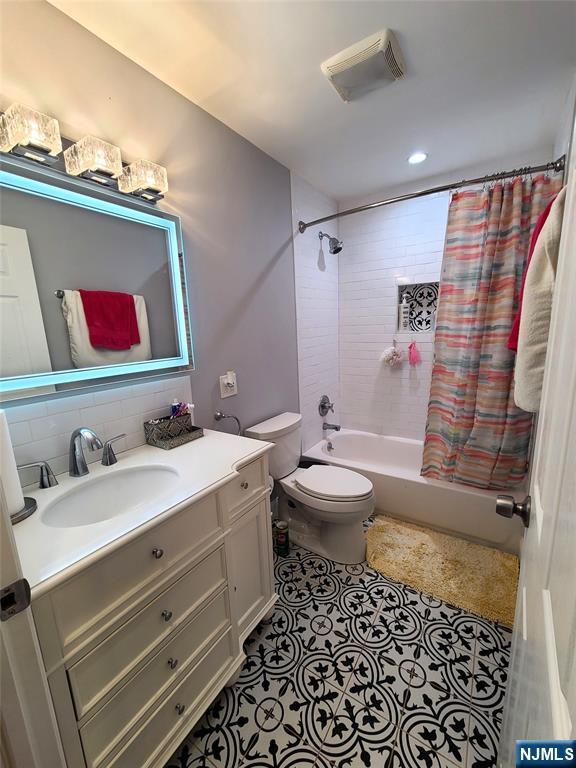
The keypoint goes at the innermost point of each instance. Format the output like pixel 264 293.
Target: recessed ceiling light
pixel 417 157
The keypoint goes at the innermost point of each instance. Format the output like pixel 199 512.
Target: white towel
pixel 536 311
pixel 84 355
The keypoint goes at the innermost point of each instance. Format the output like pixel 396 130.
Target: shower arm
pixel 219 416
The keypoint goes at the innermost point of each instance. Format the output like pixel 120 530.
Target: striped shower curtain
pixel 475 434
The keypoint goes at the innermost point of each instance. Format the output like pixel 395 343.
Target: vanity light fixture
pixel 94 159
pixel 31 134
pixel 144 179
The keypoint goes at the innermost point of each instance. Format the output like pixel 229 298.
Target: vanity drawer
pixel 194 693
pixel 239 493
pixel 93 601
pixel 108 726
pixel 100 670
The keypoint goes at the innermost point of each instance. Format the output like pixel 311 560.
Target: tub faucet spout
pixel 335 427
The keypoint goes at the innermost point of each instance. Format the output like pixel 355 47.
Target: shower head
pixel 334 244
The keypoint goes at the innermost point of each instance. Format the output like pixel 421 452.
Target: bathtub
pixel 393 466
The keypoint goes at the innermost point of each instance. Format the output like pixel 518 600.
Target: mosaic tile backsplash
pixel 423 301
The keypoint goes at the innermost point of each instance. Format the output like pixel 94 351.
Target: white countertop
pixel 49 555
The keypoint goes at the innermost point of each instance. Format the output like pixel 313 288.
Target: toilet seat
pixel 336 484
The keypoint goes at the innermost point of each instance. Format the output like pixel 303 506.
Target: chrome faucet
pixel 76 461
pixel 335 427
pixel 109 457
pixel 47 478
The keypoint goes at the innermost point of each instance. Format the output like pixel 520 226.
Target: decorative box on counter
pixel 170 432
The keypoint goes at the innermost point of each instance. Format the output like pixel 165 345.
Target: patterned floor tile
pixel 437 682
pixel 300 756
pixel 188 757
pixel 358 736
pixel 488 686
pixel 265 663
pixel 450 637
pixel 379 684
pixel 410 753
pixel 359 574
pixel 396 633
pixel 493 642
pixel 223 734
pixel 309 628
pixel 304 578
pixel 296 716
pixel 331 667
pixel 360 604
pixel 483 737
pixel 354 670
pixel 442 727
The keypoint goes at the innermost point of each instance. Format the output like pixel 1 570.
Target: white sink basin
pixel 108 496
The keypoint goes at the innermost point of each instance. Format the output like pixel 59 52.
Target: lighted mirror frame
pixel 34 381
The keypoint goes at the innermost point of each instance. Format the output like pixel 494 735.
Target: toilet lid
pixel 333 483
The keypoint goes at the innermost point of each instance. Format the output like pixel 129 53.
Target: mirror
pixel 92 285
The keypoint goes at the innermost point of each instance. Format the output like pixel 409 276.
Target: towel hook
pixel 59 293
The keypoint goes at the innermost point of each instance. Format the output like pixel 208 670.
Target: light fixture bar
pixel 30 134
pixel 144 179
pixel 94 159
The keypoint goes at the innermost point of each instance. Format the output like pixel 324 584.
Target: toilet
pixel 324 505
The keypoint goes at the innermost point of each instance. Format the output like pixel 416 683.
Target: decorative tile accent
pixel 359 733
pixel 441 726
pixel 354 670
pixel 423 301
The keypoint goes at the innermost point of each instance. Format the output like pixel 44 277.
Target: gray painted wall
pixel 234 200
pixel 74 248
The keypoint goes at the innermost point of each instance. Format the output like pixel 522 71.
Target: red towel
pixel 513 338
pixel 111 319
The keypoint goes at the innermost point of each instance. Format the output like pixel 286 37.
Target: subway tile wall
pixel 316 275
pixel 42 430
pixel 382 248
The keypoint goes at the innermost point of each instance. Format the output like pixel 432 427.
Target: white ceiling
pixel 485 80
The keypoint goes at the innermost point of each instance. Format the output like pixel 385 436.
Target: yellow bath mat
pixel 477 578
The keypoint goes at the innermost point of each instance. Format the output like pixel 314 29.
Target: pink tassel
pixel 414 357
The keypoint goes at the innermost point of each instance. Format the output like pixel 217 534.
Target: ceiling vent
pixel 365 66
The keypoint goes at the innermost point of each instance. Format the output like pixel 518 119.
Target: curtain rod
pixel 555 165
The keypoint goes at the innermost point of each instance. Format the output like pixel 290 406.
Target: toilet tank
pixel 285 432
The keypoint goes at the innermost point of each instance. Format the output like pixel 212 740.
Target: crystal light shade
pixel 94 158
pixel 23 130
pixel 144 178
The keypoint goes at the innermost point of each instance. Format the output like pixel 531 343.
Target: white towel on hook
pixel 84 355
pixel 537 310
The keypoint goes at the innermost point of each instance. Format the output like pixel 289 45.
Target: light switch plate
pixel 228 384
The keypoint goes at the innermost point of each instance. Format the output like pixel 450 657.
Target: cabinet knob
pixel 180 708
pixel 172 663
pixel 244 485
pixel 166 615
pixel 157 553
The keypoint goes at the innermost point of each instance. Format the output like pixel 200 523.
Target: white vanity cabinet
pixel 250 545
pixel 139 642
